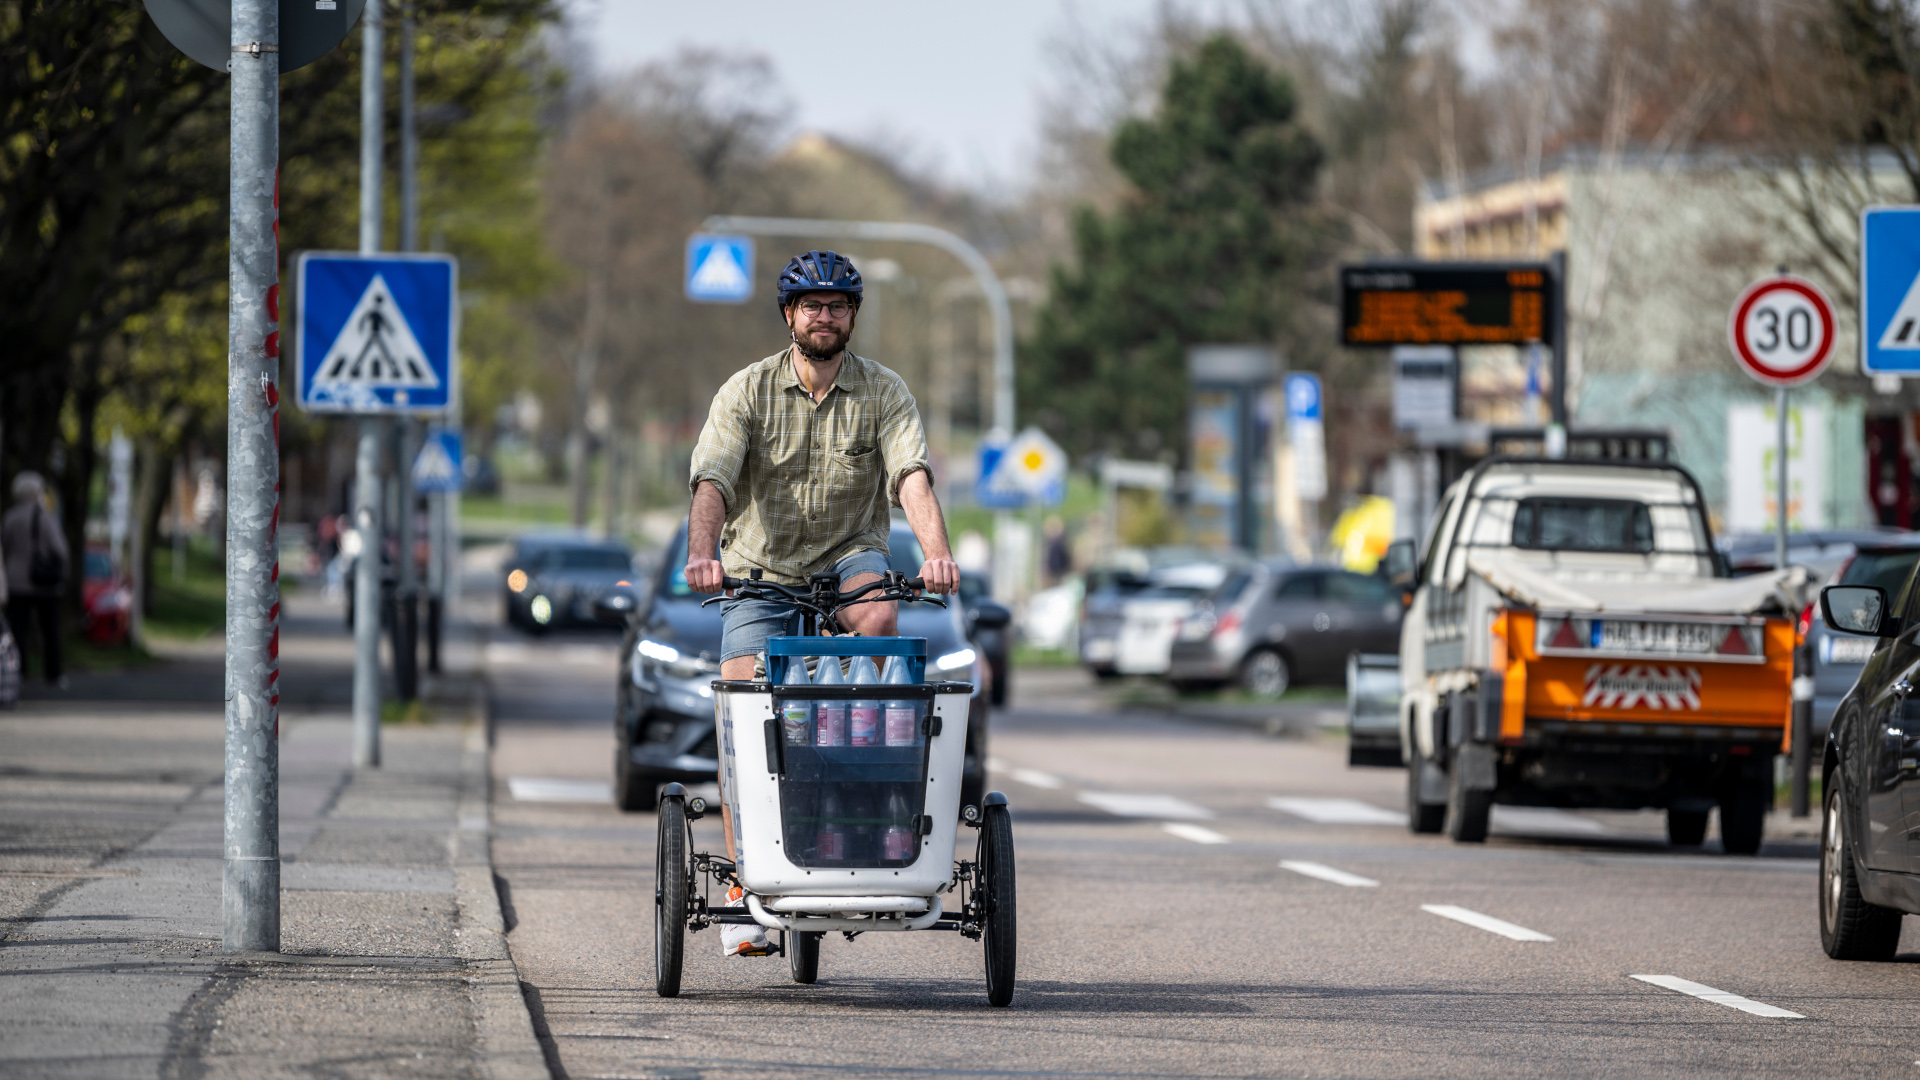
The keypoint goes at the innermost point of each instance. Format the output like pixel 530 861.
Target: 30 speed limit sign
pixel 1782 330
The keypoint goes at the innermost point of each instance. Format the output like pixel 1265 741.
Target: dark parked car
pixel 1270 626
pixel 1869 860
pixel 553 580
pixel 663 719
pixel 1837 657
pixel 988 621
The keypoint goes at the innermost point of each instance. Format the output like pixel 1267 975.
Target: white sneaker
pixel 737 939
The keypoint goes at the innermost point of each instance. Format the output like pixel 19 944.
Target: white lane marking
pixel 1338 811
pixel 1542 821
pixel 1154 806
pixel 1484 922
pixel 1199 834
pixel 995 764
pixel 515 652
pixel 1718 997
pixel 1327 873
pixel 1036 778
pixel 550 789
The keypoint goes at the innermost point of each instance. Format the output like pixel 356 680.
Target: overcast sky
pixel 959 81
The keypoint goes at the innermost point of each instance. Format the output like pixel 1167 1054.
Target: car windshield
pixel 1561 524
pixel 1887 569
pixel 1230 589
pixel 588 559
pixel 99 565
pixel 904 552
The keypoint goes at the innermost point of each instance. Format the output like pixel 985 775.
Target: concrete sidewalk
pixel 393 959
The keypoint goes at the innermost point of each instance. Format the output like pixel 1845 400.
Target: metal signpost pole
pixel 366 517
pixel 250 893
pixel 406 628
pixel 1800 761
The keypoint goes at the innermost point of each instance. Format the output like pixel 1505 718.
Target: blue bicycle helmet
pixel 818 271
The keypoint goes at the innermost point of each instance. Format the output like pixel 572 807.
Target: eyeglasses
pixel 813 309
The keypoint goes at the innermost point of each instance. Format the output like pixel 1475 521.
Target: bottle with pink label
pixel 830 841
pixel 830 715
pixel 901 719
pixel 896 843
pixel 863 714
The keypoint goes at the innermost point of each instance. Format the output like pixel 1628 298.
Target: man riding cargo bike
pixel 839 787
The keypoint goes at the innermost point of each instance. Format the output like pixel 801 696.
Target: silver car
pixel 1274 625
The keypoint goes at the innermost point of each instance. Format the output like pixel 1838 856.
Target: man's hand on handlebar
pixel 705 575
pixel 941 575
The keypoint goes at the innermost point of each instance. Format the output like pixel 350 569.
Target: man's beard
pixel 836 340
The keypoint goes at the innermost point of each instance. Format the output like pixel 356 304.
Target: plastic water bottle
pixel 796 714
pixel 830 715
pixel 901 717
pixel 896 844
pixel 830 840
pixel 863 717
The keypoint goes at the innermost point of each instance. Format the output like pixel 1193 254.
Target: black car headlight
pixel 674 663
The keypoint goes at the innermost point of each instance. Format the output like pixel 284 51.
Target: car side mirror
pixel 1857 609
pixel 1400 564
pixel 616 604
pixel 991 616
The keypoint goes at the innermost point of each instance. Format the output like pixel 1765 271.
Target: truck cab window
pixel 1618 526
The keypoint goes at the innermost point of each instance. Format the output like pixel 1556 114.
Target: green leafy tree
pixel 1210 247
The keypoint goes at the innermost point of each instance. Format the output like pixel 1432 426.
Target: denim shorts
pixel 746 624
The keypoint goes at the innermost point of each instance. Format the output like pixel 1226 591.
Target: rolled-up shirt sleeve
pixel 722 449
pixel 903 443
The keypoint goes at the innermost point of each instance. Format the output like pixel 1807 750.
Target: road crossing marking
pixel 1036 778
pixel 1199 834
pixel 1718 997
pixel 1327 873
pixel 549 789
pixel 1149 806
pixel 1337 811
pixel 1484 922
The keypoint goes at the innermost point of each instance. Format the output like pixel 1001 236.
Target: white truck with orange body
pixel 1572 640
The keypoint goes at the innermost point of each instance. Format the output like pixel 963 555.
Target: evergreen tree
pixel 1208 250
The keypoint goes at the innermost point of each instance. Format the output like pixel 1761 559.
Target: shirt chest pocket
pixel 854 465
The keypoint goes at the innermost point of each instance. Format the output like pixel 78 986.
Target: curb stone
pixel 507 1047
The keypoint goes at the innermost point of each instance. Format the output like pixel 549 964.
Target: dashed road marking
pixel 1148 806
pixel 1036 778
pixel 1199 834
pixel 1484 922
pixel 1542 821
pixel 1719 997
pixel 1327 873
pixel 549 789
pixel 1338 811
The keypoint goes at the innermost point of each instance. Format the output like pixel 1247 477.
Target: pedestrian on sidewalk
pixel 35 554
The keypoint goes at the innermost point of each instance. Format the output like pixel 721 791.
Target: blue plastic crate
pixel 781 650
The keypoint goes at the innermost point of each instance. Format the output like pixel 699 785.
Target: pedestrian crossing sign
pixel 375 333
pixel 719 268
pixel 437 467
pixel 1890 290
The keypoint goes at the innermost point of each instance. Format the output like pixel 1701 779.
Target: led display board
pixel 1432 303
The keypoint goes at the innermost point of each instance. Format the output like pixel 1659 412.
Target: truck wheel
pixel 1421 817
pixel 1743 816
pixel 1850 928
pixel 1686 828
pixel 1467 810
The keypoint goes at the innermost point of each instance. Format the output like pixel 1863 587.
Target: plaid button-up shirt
pixel 807 484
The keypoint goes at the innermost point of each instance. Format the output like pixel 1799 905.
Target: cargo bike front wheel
pixel 995 899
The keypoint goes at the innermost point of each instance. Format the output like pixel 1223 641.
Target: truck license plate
pixel 1660 637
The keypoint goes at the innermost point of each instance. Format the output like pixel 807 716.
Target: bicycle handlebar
pixel 892 586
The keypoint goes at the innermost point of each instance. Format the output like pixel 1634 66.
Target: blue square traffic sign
pixel 375 333
pixel 1890 290
pixel 719 268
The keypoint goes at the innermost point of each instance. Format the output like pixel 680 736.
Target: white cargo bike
pixel 845 838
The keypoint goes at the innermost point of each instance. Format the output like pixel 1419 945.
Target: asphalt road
pixel 1177 920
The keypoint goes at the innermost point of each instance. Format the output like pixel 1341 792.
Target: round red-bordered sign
pixel 1782 330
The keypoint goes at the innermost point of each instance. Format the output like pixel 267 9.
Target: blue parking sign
pixel 719 268
pixel 375 333
pixel 1890 290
